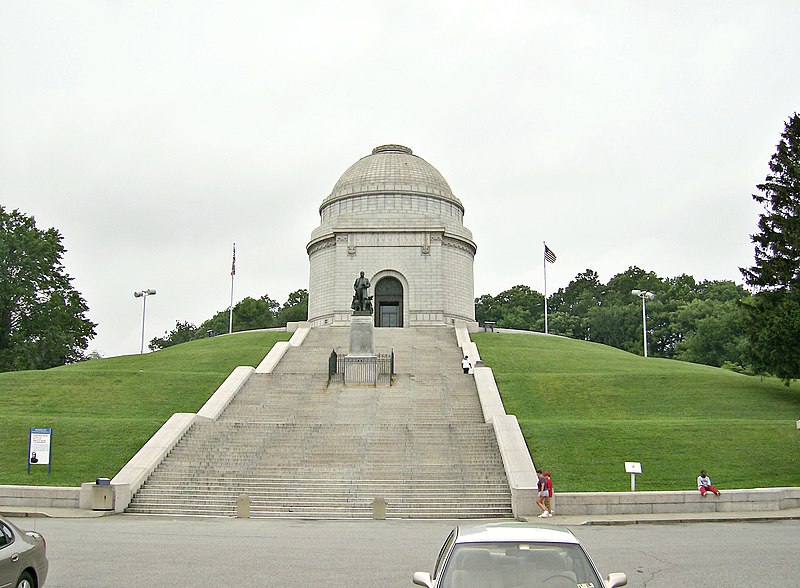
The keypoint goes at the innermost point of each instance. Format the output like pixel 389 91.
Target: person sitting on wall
pixel 704 484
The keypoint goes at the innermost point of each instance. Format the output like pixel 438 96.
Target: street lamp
pixel 644 295
pixel 143 294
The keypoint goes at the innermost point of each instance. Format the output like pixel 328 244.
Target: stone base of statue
pixel 362 334
pixel 361 363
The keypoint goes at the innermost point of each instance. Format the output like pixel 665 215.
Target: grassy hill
pixel 102 411
pixel 586 408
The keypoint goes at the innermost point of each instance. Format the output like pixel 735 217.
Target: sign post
pixel 633 468
pixel 39 448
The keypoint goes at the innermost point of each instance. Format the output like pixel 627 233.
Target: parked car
pixel 23 557
pixel 514 555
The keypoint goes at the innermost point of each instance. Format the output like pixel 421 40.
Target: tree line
pixel 248 314
pixel 701 322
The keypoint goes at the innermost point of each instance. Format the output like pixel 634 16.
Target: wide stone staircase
pixel 301 448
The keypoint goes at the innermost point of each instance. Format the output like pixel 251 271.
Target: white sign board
pixel 39 446
pixel 633 467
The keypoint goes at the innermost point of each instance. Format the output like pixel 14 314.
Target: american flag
pixel 233 263
pixel 549 255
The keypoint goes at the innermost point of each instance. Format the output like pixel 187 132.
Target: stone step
pixel 444 484
pixel 349 511
pixel 305 448
pixel 211 498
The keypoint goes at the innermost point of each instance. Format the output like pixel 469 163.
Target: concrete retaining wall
pixel 131 477
pixel 517 461
pixel 40 496
pixel 688 501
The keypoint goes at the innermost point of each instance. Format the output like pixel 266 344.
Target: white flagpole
pixel 233 273
pixel 544 263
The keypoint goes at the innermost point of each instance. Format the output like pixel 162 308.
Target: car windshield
pixel 519 565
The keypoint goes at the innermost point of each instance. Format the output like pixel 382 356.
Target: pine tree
pixel 774 312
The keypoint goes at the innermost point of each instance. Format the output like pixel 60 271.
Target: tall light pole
pixel 644 295
pixel 143 294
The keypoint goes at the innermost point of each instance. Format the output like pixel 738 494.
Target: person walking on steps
pixel 466 364
pixel 704 484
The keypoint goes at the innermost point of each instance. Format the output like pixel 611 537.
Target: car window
pixel 6 536
pixel 519 565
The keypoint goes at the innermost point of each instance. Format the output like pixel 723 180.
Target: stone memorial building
pixel 393 216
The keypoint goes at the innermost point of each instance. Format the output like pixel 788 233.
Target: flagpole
pixel 544 263
pixel 233 274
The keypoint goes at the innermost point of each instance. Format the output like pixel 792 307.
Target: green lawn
pixel 102 411
pixel 585 409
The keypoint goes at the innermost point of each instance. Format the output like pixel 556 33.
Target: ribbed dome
pixel 391 169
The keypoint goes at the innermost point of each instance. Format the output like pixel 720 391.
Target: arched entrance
pixel 388 302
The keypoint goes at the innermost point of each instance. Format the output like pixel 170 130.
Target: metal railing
pixel 380 371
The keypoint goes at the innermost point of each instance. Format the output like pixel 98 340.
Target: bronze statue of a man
pixel 361 301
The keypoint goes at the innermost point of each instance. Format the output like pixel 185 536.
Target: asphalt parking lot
pixel 130 551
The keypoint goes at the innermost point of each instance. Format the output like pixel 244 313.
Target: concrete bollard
pixel 243 506
pixel 379 509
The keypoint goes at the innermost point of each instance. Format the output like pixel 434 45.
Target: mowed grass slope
pixel 103 411
pixel 585 409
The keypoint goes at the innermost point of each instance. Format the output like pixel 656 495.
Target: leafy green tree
pixel 43 319
pixel 773 326
pixel 569 307
pixel 618 321
pixel 717 336
pixel 251 313
pixel 486 309
pixel 183 332
pixel 618 325
pixel 248 314
pixel 295 309
pixel 516 308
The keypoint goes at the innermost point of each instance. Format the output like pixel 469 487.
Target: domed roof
pixel 391 169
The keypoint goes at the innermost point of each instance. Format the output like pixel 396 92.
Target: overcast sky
pixel 154 134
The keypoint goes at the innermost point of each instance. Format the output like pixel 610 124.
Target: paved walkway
pixel 666 518
pixel 566 520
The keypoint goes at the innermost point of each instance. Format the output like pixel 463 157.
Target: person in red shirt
pixel 541 492
pixel 548 497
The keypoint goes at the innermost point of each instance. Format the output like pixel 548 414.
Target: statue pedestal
pixel 362 334
pixel 361 363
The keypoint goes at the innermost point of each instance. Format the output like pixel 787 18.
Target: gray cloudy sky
pixel 154 134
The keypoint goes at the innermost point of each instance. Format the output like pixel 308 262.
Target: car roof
pixel 514 532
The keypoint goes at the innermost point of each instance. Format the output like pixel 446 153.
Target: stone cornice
pixel 448 238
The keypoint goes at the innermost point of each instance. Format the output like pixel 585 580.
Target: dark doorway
pixel 389 303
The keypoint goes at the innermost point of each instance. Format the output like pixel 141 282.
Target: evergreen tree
pixel 773 325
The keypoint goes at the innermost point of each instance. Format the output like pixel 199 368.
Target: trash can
pixel 102 495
